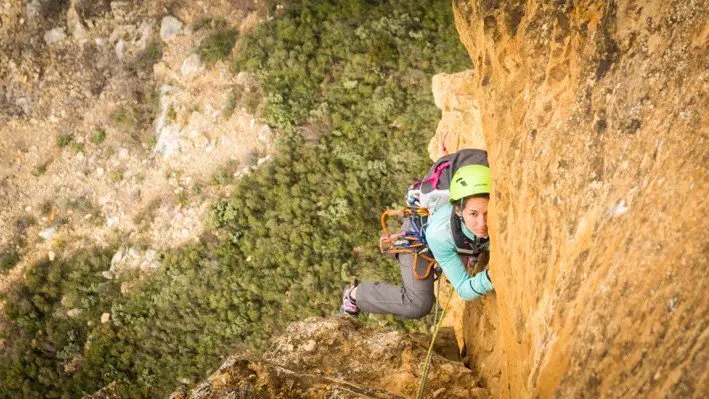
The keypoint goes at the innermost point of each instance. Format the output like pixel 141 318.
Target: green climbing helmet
pixel 470 180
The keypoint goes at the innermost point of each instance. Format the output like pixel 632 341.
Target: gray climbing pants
pixel 412 300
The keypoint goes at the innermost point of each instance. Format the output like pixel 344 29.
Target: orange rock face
pixel 594 115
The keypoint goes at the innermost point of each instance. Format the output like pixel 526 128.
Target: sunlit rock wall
pixel 594 115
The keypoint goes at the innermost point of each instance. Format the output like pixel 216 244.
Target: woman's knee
pixel 419 307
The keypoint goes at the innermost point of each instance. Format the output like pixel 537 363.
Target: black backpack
pixel 432 192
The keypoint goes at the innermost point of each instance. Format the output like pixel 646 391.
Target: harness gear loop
pixel 407 242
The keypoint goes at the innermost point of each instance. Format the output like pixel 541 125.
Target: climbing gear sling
pixel 411 240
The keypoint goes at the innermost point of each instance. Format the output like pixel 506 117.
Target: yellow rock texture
pixel 594 116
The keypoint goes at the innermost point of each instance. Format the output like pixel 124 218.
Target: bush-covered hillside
pixel 348 87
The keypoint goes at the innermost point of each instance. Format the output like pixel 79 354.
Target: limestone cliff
pixel 594 115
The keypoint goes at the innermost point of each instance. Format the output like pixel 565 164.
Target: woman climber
pixel 457 229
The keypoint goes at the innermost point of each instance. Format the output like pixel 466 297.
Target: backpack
pixel 432 191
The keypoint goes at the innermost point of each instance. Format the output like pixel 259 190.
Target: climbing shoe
pixel 349 305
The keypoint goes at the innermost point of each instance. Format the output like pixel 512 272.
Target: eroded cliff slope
pixel 594 115
pixel 337 357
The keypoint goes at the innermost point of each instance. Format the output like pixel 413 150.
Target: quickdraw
pixel 411 241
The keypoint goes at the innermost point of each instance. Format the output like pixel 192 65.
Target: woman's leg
pixel 412 300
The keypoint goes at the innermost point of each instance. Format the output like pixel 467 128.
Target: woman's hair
pixel 460 204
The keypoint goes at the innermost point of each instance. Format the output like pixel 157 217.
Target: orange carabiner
pixel 429 266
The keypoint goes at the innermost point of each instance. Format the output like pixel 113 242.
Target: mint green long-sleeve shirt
pixel 440 240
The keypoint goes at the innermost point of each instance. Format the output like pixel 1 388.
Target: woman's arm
pixel 468 287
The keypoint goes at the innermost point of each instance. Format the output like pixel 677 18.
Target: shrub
pixel 125 117
pixel 8 258
pixel 46 207
pixel 152 53
pixel 40 170
pixel 44 337
pixel 136 117
pixel 217 45
pixel 211 23
pixel 63 140
pixel 233 100
pixel 99 136
pixel 85 205
pixel 78 147
pixel 147 214
pixel 115 176
pixel 171 114
pixel 224 174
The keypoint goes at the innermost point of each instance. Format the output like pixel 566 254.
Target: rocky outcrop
pixel 594 116
pixel 338 357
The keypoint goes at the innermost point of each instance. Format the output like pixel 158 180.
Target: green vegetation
pixel 22 223
pixel 40 170
pixel 78 147
pixel 211 23
pixel 152 141
pixel 182 198
pixel 233 100
pixel 224 174
pixel 8 258
pixel 115 176
pixel 147 214
pixel 136 117
pixel 238 96
pixel 171 114
pixel 144 60
pixel 46 207
pixel 124 117
pixel 44 340
pixel 99 136
pixel 152 52
pixel 253 156
pixel 252 103
pixel 85 205
pixel 217 45
pixel 63 140
pixel 11 253
pixel 357 74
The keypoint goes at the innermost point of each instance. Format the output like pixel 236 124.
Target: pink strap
pixel 436 175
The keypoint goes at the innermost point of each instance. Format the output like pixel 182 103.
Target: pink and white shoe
pixel 349 305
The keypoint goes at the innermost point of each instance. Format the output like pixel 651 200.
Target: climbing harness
pixel 427 364
pixel 412 240
pixel 409 241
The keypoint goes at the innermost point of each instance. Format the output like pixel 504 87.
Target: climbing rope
pixel 437 272
pixel 424 377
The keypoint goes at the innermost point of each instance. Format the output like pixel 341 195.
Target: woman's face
pixel 475 216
